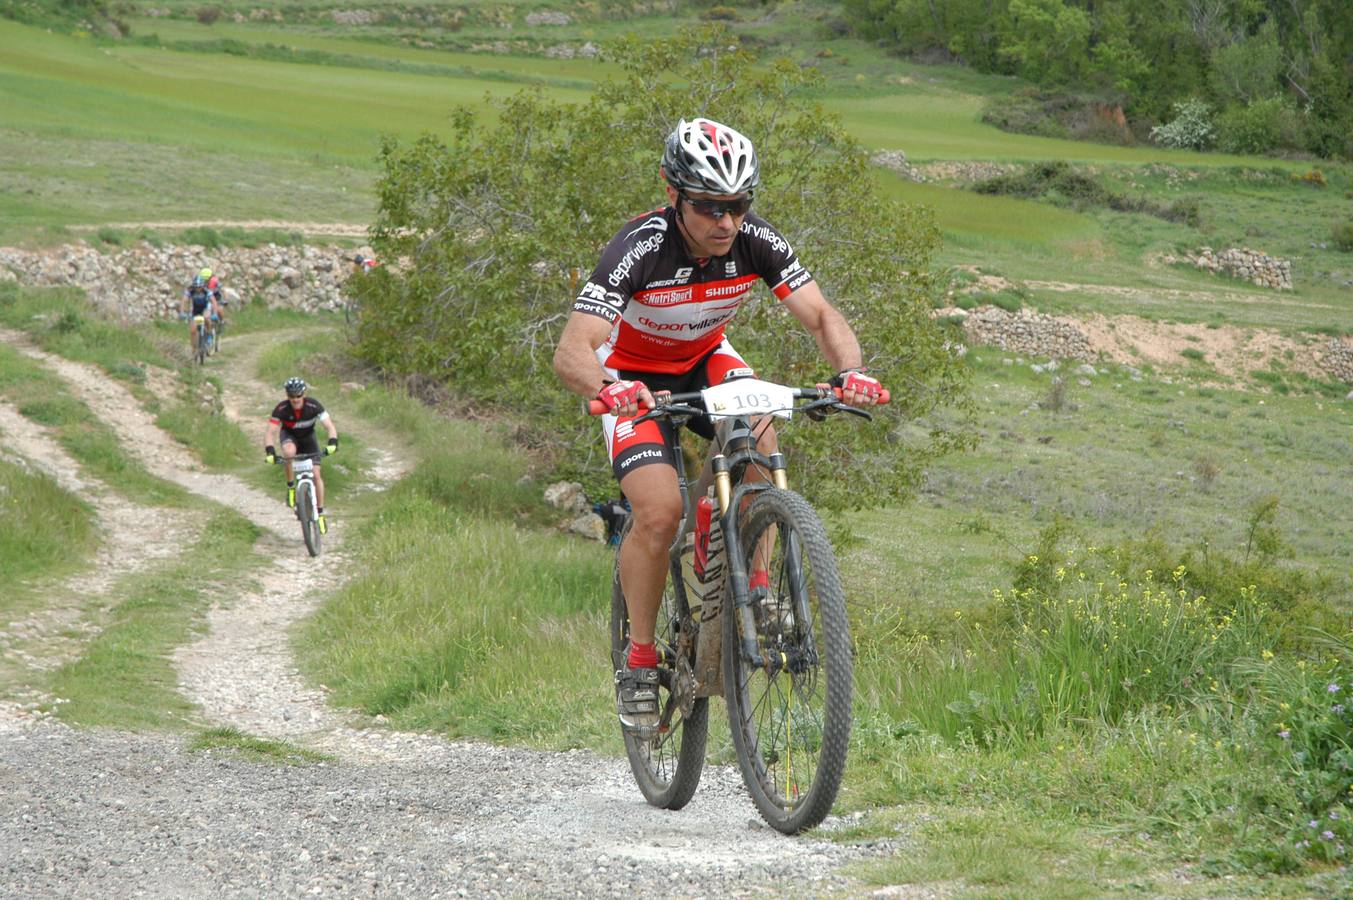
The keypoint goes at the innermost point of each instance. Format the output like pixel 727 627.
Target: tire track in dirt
pixel 132 537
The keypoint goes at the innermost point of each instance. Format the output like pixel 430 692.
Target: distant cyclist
pixel 365 264
pixel 198 297
pixel 293 420
pixel 214 287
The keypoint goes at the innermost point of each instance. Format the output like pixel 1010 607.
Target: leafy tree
pixel 1248 68
pixel 495 225
pixel 1047 40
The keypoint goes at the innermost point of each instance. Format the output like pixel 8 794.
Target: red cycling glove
pixel 620 393
pixel 860 383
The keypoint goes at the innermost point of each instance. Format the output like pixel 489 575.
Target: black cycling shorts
pixel 304 440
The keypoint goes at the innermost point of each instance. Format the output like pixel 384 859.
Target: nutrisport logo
pixel 665 298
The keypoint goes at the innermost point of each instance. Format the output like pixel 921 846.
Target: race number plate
pixel 748 397
pixel 303 465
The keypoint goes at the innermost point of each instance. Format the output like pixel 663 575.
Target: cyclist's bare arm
pixel 274 431
pixel 330 427
pixel 831 331
pixel 575 359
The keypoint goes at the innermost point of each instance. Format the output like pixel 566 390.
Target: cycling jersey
pixel 668 308
pixel 300 422
pixel 200 297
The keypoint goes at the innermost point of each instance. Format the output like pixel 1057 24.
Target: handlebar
pixel 283 460
pixel 817 392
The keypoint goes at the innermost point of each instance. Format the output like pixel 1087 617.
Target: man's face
pixel 709 220
pixel 296 402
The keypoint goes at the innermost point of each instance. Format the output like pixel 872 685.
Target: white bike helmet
pixel 702 155
pixel 294 387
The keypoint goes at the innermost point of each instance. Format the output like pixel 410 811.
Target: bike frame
pixel 732 451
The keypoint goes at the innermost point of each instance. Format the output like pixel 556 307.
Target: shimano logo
pixel 642 454
pixel 666 298
pixel 636 253
pixel 728 290
pixel 765 233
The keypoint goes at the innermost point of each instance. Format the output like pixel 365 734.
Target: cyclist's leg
pixel 655 504
pixel 288 454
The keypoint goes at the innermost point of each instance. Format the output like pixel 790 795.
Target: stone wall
pixel 1338 361
pixel 144 282
pixel 1248 265
pixel 1027 332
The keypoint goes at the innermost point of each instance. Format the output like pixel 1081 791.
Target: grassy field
pixel 292 132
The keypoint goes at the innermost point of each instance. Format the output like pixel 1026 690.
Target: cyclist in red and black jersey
pixel 652 317
pixel 293 421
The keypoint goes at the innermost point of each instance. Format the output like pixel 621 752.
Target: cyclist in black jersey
pixel 293 421
pixel 652 315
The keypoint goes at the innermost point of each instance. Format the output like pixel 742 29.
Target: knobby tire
pixel 305 511
pixel 790 724
pixel 666 767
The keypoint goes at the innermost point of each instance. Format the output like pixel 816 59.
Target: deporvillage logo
pixel 702 325
pixel 637 252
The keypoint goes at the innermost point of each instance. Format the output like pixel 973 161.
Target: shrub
pixel 475 294
pixel 208 15
pixel 111 236
pixel 1259 127
pixel 1193 353
pixel 1191 128
pixel 720 14
pixel 1342 235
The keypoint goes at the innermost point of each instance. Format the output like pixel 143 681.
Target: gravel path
pixel 389 813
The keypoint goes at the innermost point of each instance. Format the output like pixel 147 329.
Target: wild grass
pixel 125 676
pixel 61 322
pixel 44 530
pixel 232 741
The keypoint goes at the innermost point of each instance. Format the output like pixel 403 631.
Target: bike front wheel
pixel 667 766
pixel 790 710
pixel 305 511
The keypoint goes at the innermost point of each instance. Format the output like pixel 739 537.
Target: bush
pixel 1191 128
pixel 1342 235
pixel 208 15
pixel 474 295
pixel 1259 127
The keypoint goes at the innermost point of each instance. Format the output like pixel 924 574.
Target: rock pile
pixel 1028 332
pixel 145 282
pixel 1250 265
pixel 1338 361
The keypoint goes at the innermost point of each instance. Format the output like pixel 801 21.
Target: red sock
pixel 643 656
pixel 759 579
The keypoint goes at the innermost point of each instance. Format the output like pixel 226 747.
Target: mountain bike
pixel 202 346
pixel 307 502
pixel 780 657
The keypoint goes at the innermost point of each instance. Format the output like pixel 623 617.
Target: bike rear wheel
pixel 790 717
pixel 667 766
pixel 305 511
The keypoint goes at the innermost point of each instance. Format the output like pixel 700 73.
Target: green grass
pixel 60 321
pixel 232 741
pixel 125 676
pixel 45 531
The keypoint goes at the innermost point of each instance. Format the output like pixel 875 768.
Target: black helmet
pixel 294 387
pixel 705 156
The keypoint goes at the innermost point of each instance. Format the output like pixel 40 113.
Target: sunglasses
pixel 715 209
